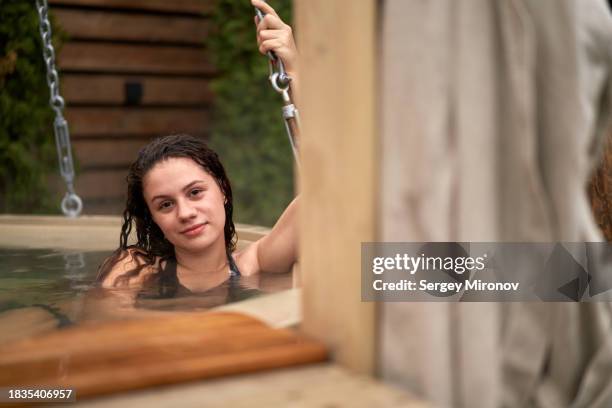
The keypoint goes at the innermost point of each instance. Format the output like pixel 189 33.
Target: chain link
pixel 281 83
pixel 71 203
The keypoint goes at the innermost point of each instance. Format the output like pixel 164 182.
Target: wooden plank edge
pixel 199 369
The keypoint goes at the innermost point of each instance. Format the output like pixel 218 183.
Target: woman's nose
pixel 185 210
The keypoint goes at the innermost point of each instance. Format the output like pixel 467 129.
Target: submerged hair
pixel 151 245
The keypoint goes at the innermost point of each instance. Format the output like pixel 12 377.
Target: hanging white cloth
pixel 492 118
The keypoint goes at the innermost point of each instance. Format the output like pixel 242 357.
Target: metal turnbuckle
pixel 72 205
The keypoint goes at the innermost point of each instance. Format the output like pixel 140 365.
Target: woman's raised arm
pixel 277 251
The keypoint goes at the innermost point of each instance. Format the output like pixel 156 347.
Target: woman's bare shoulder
pixel 122 273
pixel 246 259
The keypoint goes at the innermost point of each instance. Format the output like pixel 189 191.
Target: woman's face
pixel 186 203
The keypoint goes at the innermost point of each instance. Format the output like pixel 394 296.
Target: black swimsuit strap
pixel 234 271
pixel 169 282
pixel 168 279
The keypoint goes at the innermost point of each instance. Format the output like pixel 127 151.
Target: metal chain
pixel 71 203
pixel 281 83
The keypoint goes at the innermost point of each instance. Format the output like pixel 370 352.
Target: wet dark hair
pixel 151 244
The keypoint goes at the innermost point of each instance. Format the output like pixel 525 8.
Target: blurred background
pixel 411 108
pixel 131 71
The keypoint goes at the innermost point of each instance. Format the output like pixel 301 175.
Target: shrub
pixel 248 130
pixel 27 147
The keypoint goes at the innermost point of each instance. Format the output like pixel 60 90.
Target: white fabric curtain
pixel 492 117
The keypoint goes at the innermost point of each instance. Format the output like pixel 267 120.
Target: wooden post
pixel 338 178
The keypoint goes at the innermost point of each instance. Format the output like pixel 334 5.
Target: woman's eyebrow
pixel 157 197
pixel 192 184
pixel 187 187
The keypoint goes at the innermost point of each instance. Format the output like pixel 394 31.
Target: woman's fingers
pixel 271 22
pixel 271 34
pixel 272 45
pixel 274 35
pixel 283 34
pixel 264 7
pixel 284 52
pixel 271 26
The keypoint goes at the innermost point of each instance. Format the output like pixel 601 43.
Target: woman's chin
pixel 199 244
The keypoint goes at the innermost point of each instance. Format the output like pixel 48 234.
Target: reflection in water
pixel 177 297
pixel 48 277
pixel 42 290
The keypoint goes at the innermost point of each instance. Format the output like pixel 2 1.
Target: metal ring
pixel 49 54
pixel 274 78
pixel 52 77
pixel 45 26
pixel 57 102
pixel 53 89
pixel 72 205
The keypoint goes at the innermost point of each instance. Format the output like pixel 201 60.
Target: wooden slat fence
pixel 130 70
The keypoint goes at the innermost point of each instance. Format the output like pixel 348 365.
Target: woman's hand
pixel 274 35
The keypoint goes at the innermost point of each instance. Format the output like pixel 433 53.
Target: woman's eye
pixel 165 205
pixel 195 192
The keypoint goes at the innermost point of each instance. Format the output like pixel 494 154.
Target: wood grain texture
pixel 109 122
pixel 98 153
pixel 195 7
pixel 110 90
pixel 100 25
pixel 129 58
pixel 100 184
pixel 338 176
pixel 105 206
pixel 119 356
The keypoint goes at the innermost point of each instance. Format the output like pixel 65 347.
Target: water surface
pixel 44 289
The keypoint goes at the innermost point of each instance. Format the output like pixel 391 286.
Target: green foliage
pixel 27 148
pixel 248 130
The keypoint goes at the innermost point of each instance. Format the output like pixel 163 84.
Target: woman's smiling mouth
pixel 194 230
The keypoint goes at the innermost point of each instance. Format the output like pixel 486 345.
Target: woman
pixel 180 201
